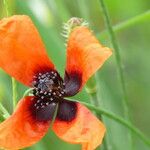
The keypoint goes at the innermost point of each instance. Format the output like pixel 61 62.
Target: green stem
pixel 14 92
pixel 128 23
pixel 118 61
pixel 5 113
pixel 117 55
pixel 14 84
pixel 118 119
pixel 27 92
pixel 6 7
pixel 54 116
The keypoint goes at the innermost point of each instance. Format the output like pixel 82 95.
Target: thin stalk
pixel 14 92
pixel 128 23
pixel 54 116
pixel 5 113
pixel 118 119
pixel 118 61
pixel 14 85
pixel 117 55
pixel 27 92
pixel 6 7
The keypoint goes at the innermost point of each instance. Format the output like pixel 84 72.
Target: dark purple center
pixel 50 90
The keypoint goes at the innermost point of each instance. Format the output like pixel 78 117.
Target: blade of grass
pixel 14 84
pixel 62 8
pixel 118 119
pixel 5 113
pixel 128 23
pixel 6 7
pixel 118 62
pixel 14 92
pixel 117 54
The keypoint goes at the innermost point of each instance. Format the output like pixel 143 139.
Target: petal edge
pixel 85 54
pixel 21 49
pixel 85 129
pixel 20 130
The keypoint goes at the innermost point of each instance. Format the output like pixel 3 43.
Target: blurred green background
pixel 49 15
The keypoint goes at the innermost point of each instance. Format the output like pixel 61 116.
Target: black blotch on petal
pixel 73 83
pixel 66 111
pixel 46 113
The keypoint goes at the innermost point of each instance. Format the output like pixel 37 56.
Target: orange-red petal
pixel 21 49
pixel 21 130
pixel 85 129
pixel 85 55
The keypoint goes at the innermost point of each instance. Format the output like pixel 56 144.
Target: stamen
pixel 62 92
pixel 48 91
pixel 41 92
pixel 37 107
pixel 47 103
pixel 45 93
pixel 38 101
pixel 54 93
pixel 42 97
pixel 48 85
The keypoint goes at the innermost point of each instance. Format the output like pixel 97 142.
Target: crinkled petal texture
pixel 21 130
pixel 85 55
pixel 86 129
pixel 21 49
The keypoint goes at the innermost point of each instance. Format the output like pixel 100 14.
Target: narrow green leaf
pixel 4 112
pixel 127 24
pixel 118 62
pixel 6 7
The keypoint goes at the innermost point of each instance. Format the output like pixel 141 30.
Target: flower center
pixel 48 88
pixel 49 92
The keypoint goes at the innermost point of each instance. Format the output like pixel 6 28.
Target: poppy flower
pixel 23 56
